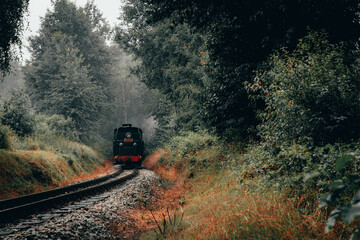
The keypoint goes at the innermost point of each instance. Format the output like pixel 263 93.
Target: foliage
pixel 32 170
pixel 4 137
pixel 343 189
pixel 311 115
pixel 65 87
pixel 16 113
pixel 172 60
pixel 190 142
pixel 311 94
pixel 47 127
pixel 239 37
pixel 11 27
pixel 70 71
pixel 192 152
pixel 12 81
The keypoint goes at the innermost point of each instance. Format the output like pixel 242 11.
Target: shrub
pixel 311 94
pixel 192 150
pixel 16 113
pixel 55 125
pixel 4 138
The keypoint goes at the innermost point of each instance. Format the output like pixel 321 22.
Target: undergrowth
pixel 259 193
pixel 42 161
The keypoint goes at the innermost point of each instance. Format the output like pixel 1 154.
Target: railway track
pixel 22 207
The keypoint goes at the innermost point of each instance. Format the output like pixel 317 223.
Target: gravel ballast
pixel 92 218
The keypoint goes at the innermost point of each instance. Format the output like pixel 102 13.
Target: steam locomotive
pixel 128 146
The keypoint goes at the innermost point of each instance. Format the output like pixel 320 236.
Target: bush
pixel 192 151
pixel 55 125
pixel 311 94
pixel 4 137
pixel 16 113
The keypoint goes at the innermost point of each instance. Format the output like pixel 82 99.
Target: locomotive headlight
pixel 134 144
pixel 128 134
pixel 121 144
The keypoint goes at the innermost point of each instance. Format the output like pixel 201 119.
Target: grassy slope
pixel 218 206
pixel 45 167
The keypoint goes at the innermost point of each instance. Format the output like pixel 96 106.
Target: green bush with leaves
pixel 16 113
pixel 55 125
pixel 337 178
pixel 4 137
pixel 193 151
pixel 310 123
pixel 311 94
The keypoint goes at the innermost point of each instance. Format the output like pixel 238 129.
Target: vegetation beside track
pixel 36 163
pixel 228 199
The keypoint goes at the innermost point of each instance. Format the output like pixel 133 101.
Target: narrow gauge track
pixel 21 207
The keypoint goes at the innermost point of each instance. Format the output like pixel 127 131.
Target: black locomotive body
pixel 128 146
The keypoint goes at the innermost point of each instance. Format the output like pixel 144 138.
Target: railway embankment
pixel 215 191
pixel 29 165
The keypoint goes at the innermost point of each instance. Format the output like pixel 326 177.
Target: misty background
pixel 36 83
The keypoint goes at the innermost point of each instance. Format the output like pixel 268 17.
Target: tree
pixel 11 26
pixel 311 94
pixel 60 84
pixel 241 35
pixel 70 70
pixel 129 103
pixel 83 27
pixel 13 80
pixel 172 60
pixel 15 113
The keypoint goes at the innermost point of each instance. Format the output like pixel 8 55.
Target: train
pixel 128 146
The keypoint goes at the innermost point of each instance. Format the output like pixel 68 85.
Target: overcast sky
pixel 37 9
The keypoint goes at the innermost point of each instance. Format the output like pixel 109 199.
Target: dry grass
pixel 99 171
pixel 219 208
pixel 165 202
pixel 151 161
pixel 216 206
pixel 30 171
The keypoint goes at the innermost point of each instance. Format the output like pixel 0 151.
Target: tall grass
pixel 228 203
pixel 34 163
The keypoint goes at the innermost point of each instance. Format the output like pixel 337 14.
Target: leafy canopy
pixel 311 94
pixel 11 26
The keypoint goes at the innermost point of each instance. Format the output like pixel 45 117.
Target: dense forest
pixel 274 85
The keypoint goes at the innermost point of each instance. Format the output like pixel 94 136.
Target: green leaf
pixel 350 213
pixel 326 199
pixel 311 175
pixel 334 215
pixel 342 162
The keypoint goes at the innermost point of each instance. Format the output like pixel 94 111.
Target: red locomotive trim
pixel 127 158
pixel 128 140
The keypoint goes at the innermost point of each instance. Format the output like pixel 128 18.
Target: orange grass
pixel 164 202
pixel 218 207
pixel 97 172
pixel 221 209
pixel 24 172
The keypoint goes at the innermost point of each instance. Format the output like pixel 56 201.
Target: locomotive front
pixel 128 146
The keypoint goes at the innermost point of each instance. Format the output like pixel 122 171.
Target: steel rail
pixel 22 200
pixel 53 198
